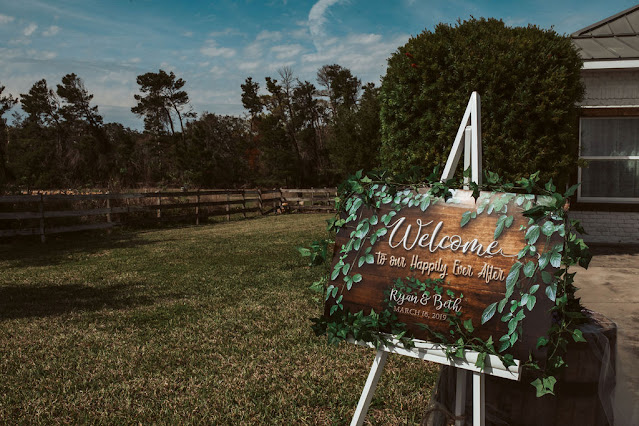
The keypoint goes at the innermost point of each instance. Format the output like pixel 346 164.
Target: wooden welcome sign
pixel 445 243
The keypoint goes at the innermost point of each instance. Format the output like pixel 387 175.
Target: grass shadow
pixel 57 249
pixel 57 299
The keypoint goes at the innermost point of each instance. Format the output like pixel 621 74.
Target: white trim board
pixel 613 64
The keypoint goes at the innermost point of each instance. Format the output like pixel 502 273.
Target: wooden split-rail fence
pixel 47 214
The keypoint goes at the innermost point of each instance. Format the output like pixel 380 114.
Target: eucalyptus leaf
pixel 488 313
pixel 465 218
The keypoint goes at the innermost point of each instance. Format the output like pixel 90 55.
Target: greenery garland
pixel 547 217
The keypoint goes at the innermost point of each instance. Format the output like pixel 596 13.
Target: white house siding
pixel 606 88
pixel 609 227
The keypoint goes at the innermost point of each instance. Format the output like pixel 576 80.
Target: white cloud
pixel 51 31
pixel 135 60
pixel 188 34
pixel 211 49
pixel 364 54
pixel 4 19
pixel 225 32
pixel 217 70
pixel 364 39
pixel 29 29
pixel 254 50
pixel 269 35
pixel 287 50
pixel 249 66
pixel 317 19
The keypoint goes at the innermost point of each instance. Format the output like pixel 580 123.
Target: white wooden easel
pixel 470 128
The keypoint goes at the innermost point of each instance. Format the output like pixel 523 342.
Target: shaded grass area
pixel 205 324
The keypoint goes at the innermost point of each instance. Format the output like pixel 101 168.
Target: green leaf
pixel 501 223
pixel 513 276
pixel 542 341
pixel 551 291
pixel 345 268
pixel 555 259
pixel 546 277
pixel 548 228
pixel 425 203
pixel 373 220
pixel 361 261
pixel 532 234
pixel 333 309
pixel 488 313
pixel 357 278
pixel 468 325
pixel 509 221
pixel 502 303
pixel 570 192
pixel 578 336
pixel 481 360
pixel 533 289
pixel 504 345
pixel 532 300
pixel 465 218
pixel 335 274
pixel 529 269
pixel 545 386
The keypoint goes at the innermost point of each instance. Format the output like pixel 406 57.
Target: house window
pixel 610 145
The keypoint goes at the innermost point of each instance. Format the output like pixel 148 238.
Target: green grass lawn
pixel 205 324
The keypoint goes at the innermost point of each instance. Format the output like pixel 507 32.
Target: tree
pixel 77 101
pixel 340 86
pixel 529 82
pixel 355 138
pixel 85 126
pixel 217 151
pixel 6 103
pixel 41 105
pixel 163 98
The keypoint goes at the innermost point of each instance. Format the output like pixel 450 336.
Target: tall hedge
pixel 529 82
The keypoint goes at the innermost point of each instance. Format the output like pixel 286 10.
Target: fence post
pixel 281 200
pixel 312 196
pixel 108 206
pixel 244 202
pixel 228 206
pixel 197 207
pixel 159 213
pixel 259 201
pixel 43 238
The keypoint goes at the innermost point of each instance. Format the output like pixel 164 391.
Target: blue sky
pixel 215 45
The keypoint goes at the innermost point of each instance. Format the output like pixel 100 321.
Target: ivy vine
pixel 359 199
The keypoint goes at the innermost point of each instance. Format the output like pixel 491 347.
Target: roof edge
pixel 604 21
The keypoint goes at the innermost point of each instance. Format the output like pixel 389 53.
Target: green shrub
pixel 529 82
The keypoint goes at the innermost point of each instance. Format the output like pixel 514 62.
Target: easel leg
pixel 369 388
pixel 460 395
pixel 479 400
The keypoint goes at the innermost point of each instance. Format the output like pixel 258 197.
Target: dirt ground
pixel 610 286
